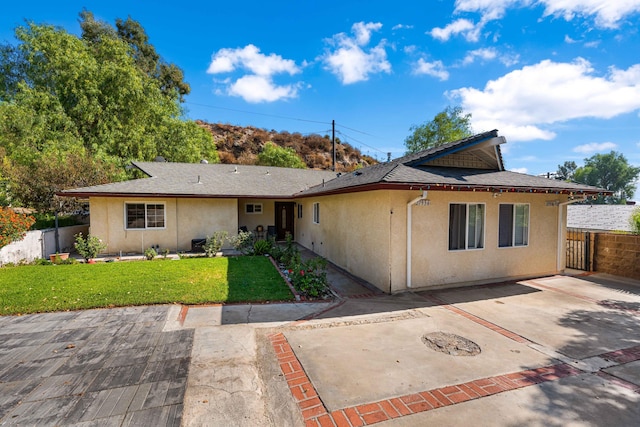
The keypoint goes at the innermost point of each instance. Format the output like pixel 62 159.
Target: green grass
pixel 35 289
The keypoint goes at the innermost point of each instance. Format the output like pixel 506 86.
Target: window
pixel 316 213
pixel 299 211
pixel 466 226
pixel 513 225
pixel 253 208
pixel 140 216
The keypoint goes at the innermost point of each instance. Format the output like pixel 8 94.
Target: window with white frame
pixel 253 208
pixel 142 216
pixel 299 211
pixel 513 225
pixel 316 213
pixel 466 226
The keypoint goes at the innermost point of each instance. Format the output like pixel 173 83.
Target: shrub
pixel 165 252
pixel 634 221
pixel 150 254
pixel 290 256
pixel 243 242
pixel 90 247
pixel 214 243
pixel 262 247
pixel 13 226
pixel 310 277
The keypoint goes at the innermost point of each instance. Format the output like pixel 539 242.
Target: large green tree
pixel 448 125
pixel 610 171
pixel 106 96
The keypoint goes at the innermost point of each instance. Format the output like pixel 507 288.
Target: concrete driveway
pixel 550 351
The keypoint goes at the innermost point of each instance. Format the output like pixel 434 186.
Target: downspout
pixel 561 243
pixel 409 210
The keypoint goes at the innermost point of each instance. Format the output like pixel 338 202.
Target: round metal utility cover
pixel 452 344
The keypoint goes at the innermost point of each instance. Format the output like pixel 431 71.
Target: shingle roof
pixel 413 170
pixel 410 171
pixel 391 174
pixel 210 180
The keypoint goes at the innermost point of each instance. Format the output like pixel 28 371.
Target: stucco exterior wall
pixel 253 220
pixel 433 264
pixel 366 234
pixel 353 233
pixel 186 219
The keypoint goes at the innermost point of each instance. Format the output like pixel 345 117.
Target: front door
pixel 284 219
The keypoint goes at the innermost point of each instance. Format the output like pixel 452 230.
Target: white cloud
pixel 606 13
pixel 402 27
pixel 594 147
pixel 524 102
pixel 469 30
pixel 258 84
pixel 351 61
pixel 254 88
pixel 519 170
pixel 569 40
pixel 485 54
pixel 435 69
pixel 250 58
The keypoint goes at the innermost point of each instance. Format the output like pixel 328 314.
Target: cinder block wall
pixel 617 254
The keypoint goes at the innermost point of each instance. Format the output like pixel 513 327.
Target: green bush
pixel 214 243
pixel 634 220
pixel 310 277
pixel 150 254
pixel 90 247
pixel 47 220
pixel 243 242
pixel 262 247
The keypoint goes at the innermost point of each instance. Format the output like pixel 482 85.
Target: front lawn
pixel 35 289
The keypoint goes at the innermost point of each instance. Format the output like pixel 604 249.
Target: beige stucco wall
pixel 365 233
pixel 434 265
pixel 353 233
pixel 198 218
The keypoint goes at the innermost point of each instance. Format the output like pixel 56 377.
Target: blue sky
pixel 560 79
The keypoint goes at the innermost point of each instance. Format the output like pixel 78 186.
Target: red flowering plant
pixel 310 278
pixel 13 226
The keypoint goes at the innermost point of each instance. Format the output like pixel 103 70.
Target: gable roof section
pixel 470 164
pixel 481 151
pixel 209 180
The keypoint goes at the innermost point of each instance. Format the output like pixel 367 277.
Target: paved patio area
pixel 94 367
pixel 554 351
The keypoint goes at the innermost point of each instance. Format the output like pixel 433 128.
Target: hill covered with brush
pixel 241 145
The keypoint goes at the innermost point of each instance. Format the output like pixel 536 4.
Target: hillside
pixel 241 145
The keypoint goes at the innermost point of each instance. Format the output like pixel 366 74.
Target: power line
pixel 258 114
pixel 299 120
pixel 360 142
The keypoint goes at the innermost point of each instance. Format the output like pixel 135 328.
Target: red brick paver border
pixel 480 321
pixel 315 413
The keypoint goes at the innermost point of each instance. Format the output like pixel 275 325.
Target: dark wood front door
pixel 284 219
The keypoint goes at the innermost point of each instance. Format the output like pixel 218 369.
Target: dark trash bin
pixel 197 245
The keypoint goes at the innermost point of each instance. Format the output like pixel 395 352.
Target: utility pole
pixel 333 141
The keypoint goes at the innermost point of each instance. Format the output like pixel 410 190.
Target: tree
pixel 565 171
pixel 169 77
pixel 105 96
pixel 449 125
pixel 272 155
pixel 611 172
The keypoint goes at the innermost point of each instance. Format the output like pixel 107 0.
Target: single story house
pixel 444 216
